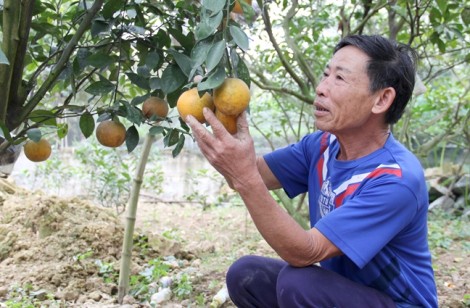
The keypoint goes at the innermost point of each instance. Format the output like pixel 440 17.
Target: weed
pixel 183 286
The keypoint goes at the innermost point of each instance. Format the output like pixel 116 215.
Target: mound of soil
pixel 51 245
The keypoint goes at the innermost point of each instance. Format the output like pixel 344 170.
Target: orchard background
pixel 67 66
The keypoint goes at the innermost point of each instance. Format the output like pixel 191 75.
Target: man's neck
pixel 354 146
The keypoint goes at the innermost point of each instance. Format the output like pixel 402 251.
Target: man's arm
pixel 268 176
pixel 234 157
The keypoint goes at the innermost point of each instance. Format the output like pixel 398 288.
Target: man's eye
pixel 339 77
pixel 325 74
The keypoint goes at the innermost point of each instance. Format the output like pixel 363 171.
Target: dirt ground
pixel 50 247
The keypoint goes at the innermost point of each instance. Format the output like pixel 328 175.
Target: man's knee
pixel 296 286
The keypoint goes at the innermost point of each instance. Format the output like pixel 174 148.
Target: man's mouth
pixel 319 107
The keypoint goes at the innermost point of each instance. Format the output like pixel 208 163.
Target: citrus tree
pixel 101 60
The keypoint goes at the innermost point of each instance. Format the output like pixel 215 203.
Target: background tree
pixel 302 35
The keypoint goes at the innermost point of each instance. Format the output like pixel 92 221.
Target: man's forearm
pixel 295 245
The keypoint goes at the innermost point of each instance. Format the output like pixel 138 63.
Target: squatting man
pixel 367 196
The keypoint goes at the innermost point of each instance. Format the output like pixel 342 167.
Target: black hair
pixel 391 64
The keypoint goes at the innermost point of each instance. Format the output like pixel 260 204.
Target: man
pixel 367 194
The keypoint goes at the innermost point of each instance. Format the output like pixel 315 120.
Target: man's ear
pixel 384 100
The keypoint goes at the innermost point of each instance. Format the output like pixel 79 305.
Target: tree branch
pixel 303 98
pixel 17 94
pixel 11 20
pixel 285 63
pixel 298 55
pixel 61 63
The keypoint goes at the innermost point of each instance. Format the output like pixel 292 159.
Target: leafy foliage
pixel 98 60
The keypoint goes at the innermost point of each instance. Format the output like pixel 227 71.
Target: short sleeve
pixel 292 165
pixel 363 225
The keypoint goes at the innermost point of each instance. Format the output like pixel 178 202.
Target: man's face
pixel 343 103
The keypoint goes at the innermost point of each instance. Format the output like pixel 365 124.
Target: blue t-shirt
pixel 374 209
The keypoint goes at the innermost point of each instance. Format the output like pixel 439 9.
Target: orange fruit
pixel 229 122
pixel 232 96
pixel 189 103
pixel 110 133
pixel 237 8
pixel 37 151
pixel 155 106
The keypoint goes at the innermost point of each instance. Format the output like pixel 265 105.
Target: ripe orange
pixel 110 133
pixel 229 122
pixel 237 8
pixel 189 103
pixel 37 151
pixel 232 96
pixel 155 106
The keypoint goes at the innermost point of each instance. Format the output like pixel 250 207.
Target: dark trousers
pixel 254 281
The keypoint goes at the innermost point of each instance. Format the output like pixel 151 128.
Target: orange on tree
pixel 155 106
pixel 111 133
pixel 237 8
pixel 232 96
pixel 37 151
pixel 189 103
pixel 228 121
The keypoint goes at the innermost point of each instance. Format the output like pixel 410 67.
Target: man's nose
pixel 322 87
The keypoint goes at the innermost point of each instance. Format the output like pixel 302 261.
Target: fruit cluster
pixel 228 101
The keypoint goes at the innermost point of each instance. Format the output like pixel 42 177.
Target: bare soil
pixel 53 247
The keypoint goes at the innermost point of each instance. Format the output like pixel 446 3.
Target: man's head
pixel 391 65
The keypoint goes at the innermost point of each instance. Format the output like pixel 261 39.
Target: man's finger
pixel 242 123
pixel 217 128
pixel 199 132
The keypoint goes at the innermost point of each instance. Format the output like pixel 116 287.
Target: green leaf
pixel 156 130
pixel 208 25
pixel 172 79
pixel 214 5
pixel 155 83
pixel 465 15
pixel 184 62
pixel 100 26
pixel 87 124
pixel 213 80
pixel 242 72
pixel 45 117
pixel 179 146
pixel 187 41
pixel 62 130
pixel 133 114
pixel 132 138
pixel 111 7
pixel 100 60
pixel 3 58
pixel 442 4
pixel 239 37
pixel 34 134
pixel 215 55
pixel 5 131
pixel 171 138
pixel 138 80
pixel 100 87
pixel 200 51
pixel 152 59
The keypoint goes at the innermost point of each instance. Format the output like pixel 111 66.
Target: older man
pixel 368 200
